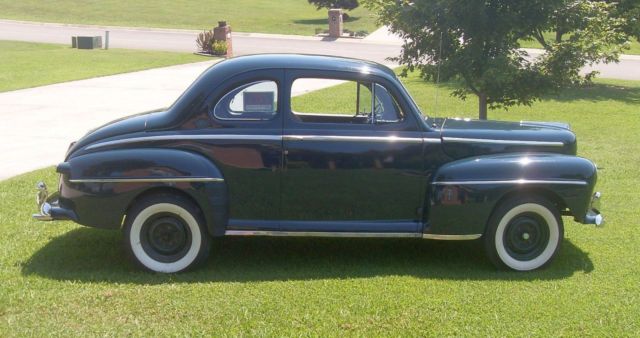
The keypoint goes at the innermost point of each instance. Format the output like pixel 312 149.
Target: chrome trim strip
pixel 186 137
pixel 320 234
pixel 452 237
pixel 352 138
pixel 262 138
pixel 349 234
pixel 514 142
pixel 147 180
pixel 521 181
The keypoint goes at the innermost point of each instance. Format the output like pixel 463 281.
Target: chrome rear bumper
pixel 594 216
pixel 49 208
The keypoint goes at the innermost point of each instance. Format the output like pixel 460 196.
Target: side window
pixel 340 101
pixel 386 108
pixel 255 101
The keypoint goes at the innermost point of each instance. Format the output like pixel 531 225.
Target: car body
pixel 232 157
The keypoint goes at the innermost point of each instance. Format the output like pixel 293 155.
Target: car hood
pixel 126 125
pixel 465 137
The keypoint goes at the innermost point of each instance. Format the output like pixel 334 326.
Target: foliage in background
pixel 329 4
pixel 204 41
pixel 630 10
pixel 477 44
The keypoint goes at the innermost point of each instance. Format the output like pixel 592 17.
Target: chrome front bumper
pixel 49 208
pixel 594 216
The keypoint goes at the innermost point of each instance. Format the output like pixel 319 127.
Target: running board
pixel 351 234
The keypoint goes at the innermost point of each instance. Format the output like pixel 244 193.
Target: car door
pixel 348 166
pixel 246 143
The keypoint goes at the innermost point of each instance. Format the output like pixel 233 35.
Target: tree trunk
pixel 482 106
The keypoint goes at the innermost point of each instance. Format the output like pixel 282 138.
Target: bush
pixel 204 42
pixel 219 47
pixel 329 4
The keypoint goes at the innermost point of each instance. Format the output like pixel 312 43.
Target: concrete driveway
pixel 39 123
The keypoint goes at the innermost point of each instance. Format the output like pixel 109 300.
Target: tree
pixel 329 4
pixel 476 44
pixel 630 11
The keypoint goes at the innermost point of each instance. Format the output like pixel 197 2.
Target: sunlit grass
pixel 26 64
pixel 258 16
pixel 64 279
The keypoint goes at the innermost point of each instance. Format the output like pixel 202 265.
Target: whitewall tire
pixel 524 233
pixel 166 233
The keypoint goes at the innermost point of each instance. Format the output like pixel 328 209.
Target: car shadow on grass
pixel 93 255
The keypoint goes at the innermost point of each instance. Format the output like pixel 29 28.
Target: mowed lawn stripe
pixel 257 16
pixel 27 64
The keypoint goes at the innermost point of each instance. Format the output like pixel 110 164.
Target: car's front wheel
pixel 524 233
pixel 166 233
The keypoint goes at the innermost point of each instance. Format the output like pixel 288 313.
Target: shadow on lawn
pixel 323 21
pixel 96 255
pixel 592 93
pixel 599 92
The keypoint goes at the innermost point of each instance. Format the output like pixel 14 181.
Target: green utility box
pixel 86 42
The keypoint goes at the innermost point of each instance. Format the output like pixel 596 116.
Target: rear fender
pixel 101 186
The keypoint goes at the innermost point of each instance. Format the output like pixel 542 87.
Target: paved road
pixel 184 40
pixel 247 43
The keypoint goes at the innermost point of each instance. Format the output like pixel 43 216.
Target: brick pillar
pixel 223 33
pixel 335 23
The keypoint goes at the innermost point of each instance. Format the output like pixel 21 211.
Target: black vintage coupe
pixel 252 149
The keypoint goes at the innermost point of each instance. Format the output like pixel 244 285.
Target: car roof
pixel 301 61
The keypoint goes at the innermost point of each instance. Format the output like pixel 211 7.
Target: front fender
pixel 464 193
pixel 101 186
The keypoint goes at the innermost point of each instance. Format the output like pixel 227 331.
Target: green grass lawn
pixel 634 46
pixel 65 279
pixel 26 64
pixel 260 16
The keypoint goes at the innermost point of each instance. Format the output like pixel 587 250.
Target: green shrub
pixel 219 47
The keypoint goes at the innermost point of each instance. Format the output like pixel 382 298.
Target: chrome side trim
pixel 452 237
pixel 186 137
pixel 320 234
pixel 349 234
pixel 262 138
pixel 147 180
pixel 389 139
pixel 521 181
pixel 514 142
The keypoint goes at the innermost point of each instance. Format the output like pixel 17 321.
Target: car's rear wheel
pixel 166 233
pixel 524 233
